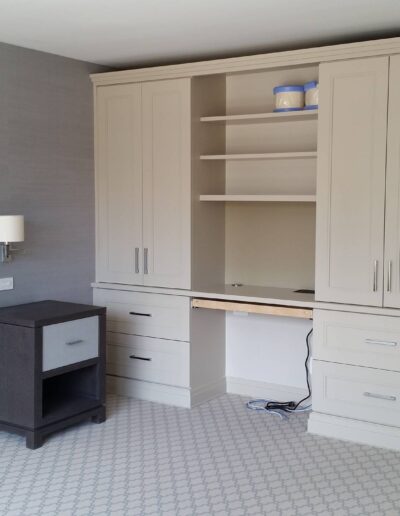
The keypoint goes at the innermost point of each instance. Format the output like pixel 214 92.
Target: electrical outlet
pixel 6 283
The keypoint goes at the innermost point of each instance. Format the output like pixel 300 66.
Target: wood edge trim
pixel 254 308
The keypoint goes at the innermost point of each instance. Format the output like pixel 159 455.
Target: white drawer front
pixel 356 392
pixel 150 315
pixel 357 339
pixel 70 342
pixel 150 359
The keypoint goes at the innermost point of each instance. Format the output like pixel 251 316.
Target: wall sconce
pixel 11 230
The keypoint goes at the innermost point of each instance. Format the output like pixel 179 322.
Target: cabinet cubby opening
pixel 70 393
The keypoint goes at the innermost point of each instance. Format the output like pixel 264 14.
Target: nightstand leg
pixel 34 440
pixel 100 417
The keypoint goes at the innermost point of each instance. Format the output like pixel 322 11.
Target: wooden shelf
pixel 258 198
pixel 288 116
pixel 253 308
pixel 268 155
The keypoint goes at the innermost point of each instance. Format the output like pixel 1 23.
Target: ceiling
pixel 129 33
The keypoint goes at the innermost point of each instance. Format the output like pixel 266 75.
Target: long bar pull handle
pixel 146 260
pixel 389 276
pixel 375 284
pixel 136 260
pixel 140 313
pixel 380 396
pixel 73 342
pixel 381 342
pixel 135 357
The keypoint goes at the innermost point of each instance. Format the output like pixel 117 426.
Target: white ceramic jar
pixel 311 90
pixel 289 98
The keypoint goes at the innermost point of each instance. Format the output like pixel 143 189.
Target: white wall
pixel 267 354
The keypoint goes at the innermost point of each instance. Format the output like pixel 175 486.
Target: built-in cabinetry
pixel 357 235
pixel 199 183
pixel 143 183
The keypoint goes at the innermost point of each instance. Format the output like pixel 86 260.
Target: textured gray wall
pixel 46 173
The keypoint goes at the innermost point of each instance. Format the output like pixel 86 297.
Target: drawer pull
pixel 381 342
pixel 379 396
pixel 73 342
pixel 140 358
pixel 140 313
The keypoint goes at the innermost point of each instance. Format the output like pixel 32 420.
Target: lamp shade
pixel 12 228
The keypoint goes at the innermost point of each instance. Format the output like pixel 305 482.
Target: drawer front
pixel 149 315
pixel 357 339
pixel 357 392
pixel 70 342
pixel 150 359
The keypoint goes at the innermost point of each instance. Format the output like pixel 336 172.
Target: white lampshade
pixel 12 228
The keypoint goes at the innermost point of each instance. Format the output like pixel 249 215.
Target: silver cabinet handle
pixel 136 260
pixel 73 342
pixel 146 258
pixel 375 284
pixel 381 342
pixel 379 396
pixel 389 276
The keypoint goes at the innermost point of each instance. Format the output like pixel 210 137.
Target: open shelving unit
pixel 258 198
pixel 265 155
pixel 286 116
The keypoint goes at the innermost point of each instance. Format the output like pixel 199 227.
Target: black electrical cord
pixel 291 406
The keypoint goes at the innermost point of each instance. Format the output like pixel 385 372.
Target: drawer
pixel 70 342
pixel 150 359
pixel 356 392
pixel 150 315
pixel 357 339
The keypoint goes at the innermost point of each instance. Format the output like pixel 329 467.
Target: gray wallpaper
pixel 46 173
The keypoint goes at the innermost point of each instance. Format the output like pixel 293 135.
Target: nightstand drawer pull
pixel 379 396
pixel 381 342
pixel 140 358
pixel 73 342
pixel 140 313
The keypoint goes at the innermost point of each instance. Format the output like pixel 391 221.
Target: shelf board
pixel 268 155
pixel 258 198
pixel 287 116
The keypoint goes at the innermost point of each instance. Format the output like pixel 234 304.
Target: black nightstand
pixel 52 367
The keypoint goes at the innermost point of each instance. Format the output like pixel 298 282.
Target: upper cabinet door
pixel 166 183
pixel 351 181
pixel 392 223
pixel 119 184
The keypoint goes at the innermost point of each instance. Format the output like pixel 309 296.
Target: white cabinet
pixel 392 225
pixel 143 171
pixel 351 181
pixel 119 184
pixel 166 183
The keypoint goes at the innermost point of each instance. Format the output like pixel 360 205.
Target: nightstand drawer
pixel 70 342
pixel 150 315
pixel 356 392
pixel 357 339
pixel 150 359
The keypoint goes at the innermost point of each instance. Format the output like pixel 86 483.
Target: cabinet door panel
pixel 351 181
pixel 166 182
pixel 119 184
pixel 392 223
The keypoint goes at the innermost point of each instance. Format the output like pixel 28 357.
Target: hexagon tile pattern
pixel 216 459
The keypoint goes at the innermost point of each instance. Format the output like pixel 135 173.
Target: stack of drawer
pixel 148 349
pixel 356 371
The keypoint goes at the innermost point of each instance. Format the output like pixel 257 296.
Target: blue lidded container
pixel 311 90
pixel 289 98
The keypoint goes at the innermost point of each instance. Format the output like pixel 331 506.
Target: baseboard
pixel 256 389
pixel 208 392
pixel 360 432
pixel 177 396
